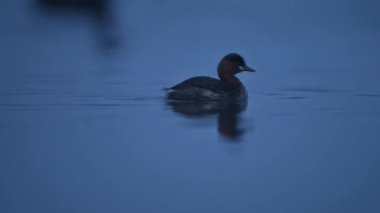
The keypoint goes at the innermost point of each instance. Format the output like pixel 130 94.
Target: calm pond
pixel 84 125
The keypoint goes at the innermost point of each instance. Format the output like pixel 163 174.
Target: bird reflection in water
pixel 228 115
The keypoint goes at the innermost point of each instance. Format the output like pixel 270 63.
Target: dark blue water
pixel 84 126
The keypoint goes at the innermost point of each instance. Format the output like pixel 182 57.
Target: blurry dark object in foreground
pixel 96 4
pixel 100 10
pixel 228 114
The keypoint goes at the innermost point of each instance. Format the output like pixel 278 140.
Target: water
pixel 84 126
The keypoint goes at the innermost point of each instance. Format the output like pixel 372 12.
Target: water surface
pixel 84 126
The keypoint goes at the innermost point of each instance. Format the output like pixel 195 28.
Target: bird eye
pixel 242 68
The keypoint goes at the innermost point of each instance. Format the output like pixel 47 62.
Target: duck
pixel 204 88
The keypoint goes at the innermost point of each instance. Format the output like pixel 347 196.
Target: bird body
pixel 202 88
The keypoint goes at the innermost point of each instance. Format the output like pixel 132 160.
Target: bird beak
pixel 246 68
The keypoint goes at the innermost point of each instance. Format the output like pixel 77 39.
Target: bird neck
pixel 226 72
pixel 227 77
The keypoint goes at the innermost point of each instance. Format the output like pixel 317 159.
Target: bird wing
pixel 203 82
